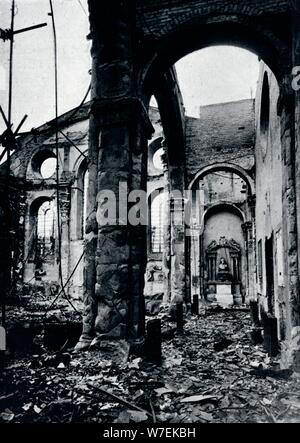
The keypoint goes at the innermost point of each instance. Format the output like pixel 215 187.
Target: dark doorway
pixel 269 273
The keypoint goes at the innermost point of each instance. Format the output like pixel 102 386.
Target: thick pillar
pixel 252 209
pixel 296 65
pixel 120 139
pixel 289 201
pixel 177 250
pixel 286 110
pixel 195 260
pixel 250 257
pixel 121 248
pixel 196 253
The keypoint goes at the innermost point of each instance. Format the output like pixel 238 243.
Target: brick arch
pixel 223 206
pixel 221 24
pixel 159 17
pixel 227 167
pixel 169 102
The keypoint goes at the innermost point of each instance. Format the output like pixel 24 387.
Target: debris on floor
pixel 211 373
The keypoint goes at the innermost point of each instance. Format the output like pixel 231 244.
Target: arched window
pixel 41 237
pixel 155 152
pixel 265 106
pixel 157 223
pixel 46 230
pixel 81 199
pixel 157 159
pixel 265 114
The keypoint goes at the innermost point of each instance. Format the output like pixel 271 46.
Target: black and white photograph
pixel 149 216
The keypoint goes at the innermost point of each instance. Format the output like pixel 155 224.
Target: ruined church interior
pixel 191 313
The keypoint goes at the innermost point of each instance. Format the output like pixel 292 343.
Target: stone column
pixel 21 257
pixel 167 233
pixel 121 249
pixel 64 207
pixel 122 124
pixel 250 247
pixel 177 250
pixel 90 242
pixel 196 255
pixel 177 232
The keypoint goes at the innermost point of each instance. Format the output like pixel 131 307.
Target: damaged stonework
pixel 121 120
pixel 34 163
pixel 291 351
pixel 277 253
pixel 241 160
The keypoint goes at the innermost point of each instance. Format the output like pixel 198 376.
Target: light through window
pixel 157 225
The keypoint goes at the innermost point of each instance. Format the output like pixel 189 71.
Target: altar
pixel 223 272
pixel 224 296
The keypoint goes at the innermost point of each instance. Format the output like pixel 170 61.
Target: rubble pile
pixel 210 373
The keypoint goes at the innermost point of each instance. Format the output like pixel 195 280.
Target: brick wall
pixel 224 133
pixel 157 17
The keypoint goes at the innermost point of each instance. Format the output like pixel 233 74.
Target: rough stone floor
pixel 211 373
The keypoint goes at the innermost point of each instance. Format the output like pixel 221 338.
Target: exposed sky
pixel 208 76
pixel 215 75
pixel 33 79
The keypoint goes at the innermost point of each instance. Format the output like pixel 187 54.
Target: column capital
pixel 247 226
pixel 110 112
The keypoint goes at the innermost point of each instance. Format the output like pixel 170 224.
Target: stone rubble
pixel 196 383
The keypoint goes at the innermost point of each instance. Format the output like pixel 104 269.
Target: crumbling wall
pixel 269 208
pixel 26 164
pixel 11 235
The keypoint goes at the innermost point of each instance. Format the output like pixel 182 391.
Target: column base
pixel 137 347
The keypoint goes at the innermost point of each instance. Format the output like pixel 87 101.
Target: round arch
pixel 228 167
pixel 155 194
pixel 153 147
pixel 79 197
pixel 37 203
pixel 155 144
pixel 81 164
pixel 215 208
pixel 31 238
pixel 38 158
pixel 234 25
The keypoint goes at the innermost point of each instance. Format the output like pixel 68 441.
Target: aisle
pixel 211 373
